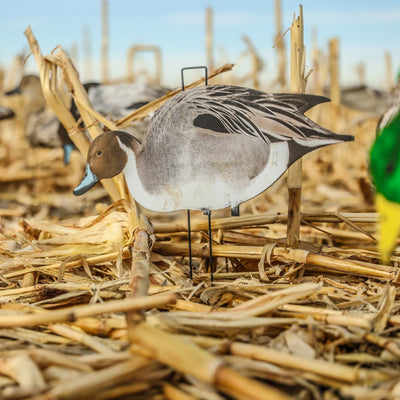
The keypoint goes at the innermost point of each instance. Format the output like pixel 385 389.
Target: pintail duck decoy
pixel 385 172
pixel 209 148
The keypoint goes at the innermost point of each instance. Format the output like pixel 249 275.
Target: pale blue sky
pixel 366 29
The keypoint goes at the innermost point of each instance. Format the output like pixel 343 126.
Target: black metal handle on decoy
pixel 196 67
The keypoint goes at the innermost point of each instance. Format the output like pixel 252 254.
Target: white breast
pixel 213 193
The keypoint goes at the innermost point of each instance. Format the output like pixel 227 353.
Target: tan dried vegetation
pixel 96 300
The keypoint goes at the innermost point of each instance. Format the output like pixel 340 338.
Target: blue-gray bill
pixel 88 181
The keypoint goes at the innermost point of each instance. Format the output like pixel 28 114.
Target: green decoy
pixel 385 171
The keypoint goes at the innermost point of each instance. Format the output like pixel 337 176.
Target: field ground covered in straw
pixel 317 322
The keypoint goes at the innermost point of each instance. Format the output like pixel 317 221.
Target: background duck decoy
pixel 385 172
pixel 366 99
pixel 114 101
pixel 40 123
pixel 30 87
pixel 6 113
pixel 209 148
pixel 118 100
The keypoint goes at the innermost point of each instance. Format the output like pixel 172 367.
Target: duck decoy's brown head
pixel 106 158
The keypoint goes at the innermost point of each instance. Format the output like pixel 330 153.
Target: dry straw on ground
pixel 319 322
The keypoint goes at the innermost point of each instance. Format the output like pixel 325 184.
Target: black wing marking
pixel 271 117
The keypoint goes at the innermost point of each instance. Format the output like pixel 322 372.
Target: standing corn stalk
pixel 209 38
pixel 104 41
pixel 334 72
pixel 280 46
pixel 297 85
pixel 389 71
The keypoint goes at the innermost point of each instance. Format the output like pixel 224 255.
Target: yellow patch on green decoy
pixel 389 226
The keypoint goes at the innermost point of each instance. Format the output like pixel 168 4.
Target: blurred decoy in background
pixel 41 124
pixel 113 101
pixel 385 172
pixel 6 113
pixel 31 88
pixel 366 99
pixel 118 100
pixel 209 148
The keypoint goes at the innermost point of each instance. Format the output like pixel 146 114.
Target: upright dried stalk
pixel 317 59
pixel 209 38
pixel 104 41
pixel 334 71
pixel 256 62
pixel 389 71
pixel 87 53
pixel 297 85
pixel 280 46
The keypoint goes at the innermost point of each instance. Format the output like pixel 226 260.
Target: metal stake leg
pixel 190 246
pixel 208 212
